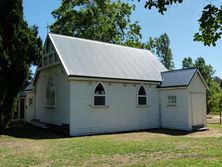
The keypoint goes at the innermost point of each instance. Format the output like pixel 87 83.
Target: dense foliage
pixel 161 47
pixel 19 48
pixel 214 93
pixel 107 21
pixel 98 20
pixel 210 22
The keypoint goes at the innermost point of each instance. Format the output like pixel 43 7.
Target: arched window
pixel 50 92
pixel 142 96
pixel 99 95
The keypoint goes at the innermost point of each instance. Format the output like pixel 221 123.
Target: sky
pixel 179 22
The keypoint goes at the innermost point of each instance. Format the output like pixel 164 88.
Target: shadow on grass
pixel 19 129
pixel 170 132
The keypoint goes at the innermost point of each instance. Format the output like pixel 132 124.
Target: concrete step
pixel 198 128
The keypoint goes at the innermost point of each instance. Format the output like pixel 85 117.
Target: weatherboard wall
pixel 174 116
pixel 197 86
pixel 29 110
pixel 121 112
pixel 59 114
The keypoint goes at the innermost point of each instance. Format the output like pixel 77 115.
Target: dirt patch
pixel 207 133
pixel 23 146
pixel 213 118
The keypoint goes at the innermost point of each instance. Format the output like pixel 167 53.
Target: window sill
pixel 49 106
pixel 171 105
pixel 98 106
pixel 142 106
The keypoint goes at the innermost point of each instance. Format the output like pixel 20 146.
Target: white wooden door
pixel 198 109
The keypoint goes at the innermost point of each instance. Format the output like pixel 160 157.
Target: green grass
pixel 154 148
pixel 215 126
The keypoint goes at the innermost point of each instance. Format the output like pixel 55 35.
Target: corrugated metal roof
pixel 82 57
pixel 177 78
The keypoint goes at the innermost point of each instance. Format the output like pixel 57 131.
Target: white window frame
pixel 93 97
pixel 171 100
pixel 30 100
pixel 50 81
pixel 142 105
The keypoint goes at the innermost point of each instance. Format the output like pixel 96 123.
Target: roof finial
pixel 47 28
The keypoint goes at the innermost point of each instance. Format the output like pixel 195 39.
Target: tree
pixel 151 45
pixel 210 30
pixel 218 80
pixel 206 70
pixel 97 20
pixel 214 93
pixel 106 21
pixel 19 48
pixel 164 52
pixel 161 47
pixel 187 62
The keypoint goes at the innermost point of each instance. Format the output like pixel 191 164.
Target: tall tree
pixel 210 22
pixel 151 45
pixel 19 48
pixel 161 47
pixel 206 69
pixel 164 52
pixel 218 80
pixel 187 62
pixel 214 93
pixel 107 21
pixel 102 20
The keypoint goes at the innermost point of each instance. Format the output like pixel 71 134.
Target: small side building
pixel 182 99
pixel 29 104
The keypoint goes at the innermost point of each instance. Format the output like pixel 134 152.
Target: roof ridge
pixel 84 57
pixel 96 41
pixel 182 69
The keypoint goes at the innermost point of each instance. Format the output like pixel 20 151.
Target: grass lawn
pixel 37 147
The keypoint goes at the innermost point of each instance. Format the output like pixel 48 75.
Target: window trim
pixel 49 105
pixel 93 96
pixel 30 99
pixel 146 96
pixel 170 103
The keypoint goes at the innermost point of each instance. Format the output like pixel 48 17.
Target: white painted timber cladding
pixel 29 111
pixel 122 113
pixel 60 114
pixel 174 117
pixel 197 87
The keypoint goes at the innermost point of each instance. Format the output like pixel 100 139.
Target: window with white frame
pixel 50 92
pixel 30 102
pixel 142 99
pixel 99 95
pixel 172 100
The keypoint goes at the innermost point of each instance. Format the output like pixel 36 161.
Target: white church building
pixel 85 87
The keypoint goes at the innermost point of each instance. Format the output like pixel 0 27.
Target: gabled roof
pixel 88 58
pixel 179 78
pixel 29 87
